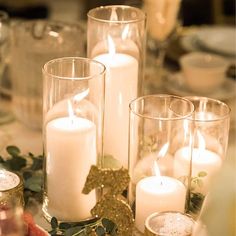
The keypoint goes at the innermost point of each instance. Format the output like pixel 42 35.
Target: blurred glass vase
pixel 33 44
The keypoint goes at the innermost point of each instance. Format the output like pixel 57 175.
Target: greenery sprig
pixel 29 167
pixel 94 227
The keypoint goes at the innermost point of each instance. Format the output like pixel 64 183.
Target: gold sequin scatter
pixel 118 211
pixel 115 181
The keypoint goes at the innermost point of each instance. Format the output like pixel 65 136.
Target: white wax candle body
pixel 71 150
pixel 156 194
pixel 202 161
pixel 121 88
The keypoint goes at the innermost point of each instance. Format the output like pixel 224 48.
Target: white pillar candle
pixel 203 160
pixel 71 150
pixel 156 194
pixel 121 88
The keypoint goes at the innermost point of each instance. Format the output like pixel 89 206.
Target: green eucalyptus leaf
pixel 202 174
pixel 54 223
pixel 27 175
pixel 34 183
pixel 77 230
pixel 13 150
pixel 16 163
pixel 37 164
pixel 109 225
pixel 64 225
pixel 100 231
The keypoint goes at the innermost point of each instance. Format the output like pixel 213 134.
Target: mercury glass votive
pixel 116 37
pixel 210 140
pixel 73 128
pixel 169 223
pixel 11 187
pixel 159 127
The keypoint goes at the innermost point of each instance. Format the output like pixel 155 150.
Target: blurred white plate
pixel 175 84
pixel 218 39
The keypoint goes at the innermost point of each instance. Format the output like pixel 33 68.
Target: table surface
pixel 28 140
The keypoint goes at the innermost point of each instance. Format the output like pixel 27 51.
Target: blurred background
pixel 193 12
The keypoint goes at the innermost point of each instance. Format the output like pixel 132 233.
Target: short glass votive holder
pixel 11 188
pixel 159 127
pixel 169 223
pixel 210 140
pixel 72 131
pixel 117 38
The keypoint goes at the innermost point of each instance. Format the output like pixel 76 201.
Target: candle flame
pixel 111 46
pixel 156 169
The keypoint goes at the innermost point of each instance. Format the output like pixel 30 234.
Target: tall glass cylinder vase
pixel 211 131
pixel 73 104
pixel 117 38
pixel 159 127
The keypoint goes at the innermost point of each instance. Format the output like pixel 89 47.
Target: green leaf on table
pixel 34 183
pixel 64 225
pixel 77 230
pixel 109 226
pixel 16 163
pixel 37 163
pixel 1 160
pixel 202 174
pixel 13 150
pixel 54 223
pixel 100 231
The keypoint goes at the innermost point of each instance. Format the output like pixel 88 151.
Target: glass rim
pixel 71 59
pixel 143 14
pixel 218 102
pixel 156 214
pixel 131 109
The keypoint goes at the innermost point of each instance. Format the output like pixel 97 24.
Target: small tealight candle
pixel 11 186
pixel 169 223
pixel 158 193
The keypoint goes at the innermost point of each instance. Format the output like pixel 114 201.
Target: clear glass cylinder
pixel 159 127
pixel 210 141
pixel 73 105
pixel 116 37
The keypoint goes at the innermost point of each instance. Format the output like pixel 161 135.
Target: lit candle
pixel 121 88
pixel 156 194
pixel 71 150
pixel 203 160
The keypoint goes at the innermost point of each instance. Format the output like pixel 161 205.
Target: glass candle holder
pixel 117 37
pixel 159 127
pixel 169 223
pixel 210 140
pixel 48 39
pixel 11 187
pixel 73 128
